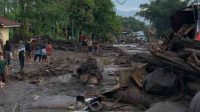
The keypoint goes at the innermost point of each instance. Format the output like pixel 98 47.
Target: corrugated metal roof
pixel 4 22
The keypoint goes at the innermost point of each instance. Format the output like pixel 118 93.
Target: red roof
pixel 4 22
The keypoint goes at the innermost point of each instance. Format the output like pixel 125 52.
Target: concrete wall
pixel 5 34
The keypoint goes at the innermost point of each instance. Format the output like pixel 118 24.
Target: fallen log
pixel 177 66
pixel 178 62
pixel 178 44
pixel 190 50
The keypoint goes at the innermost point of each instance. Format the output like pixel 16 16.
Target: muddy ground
pixel 21 92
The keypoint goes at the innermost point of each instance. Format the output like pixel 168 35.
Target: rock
pixel 161 82
pixel 195 104
pixel 53 102
pixel 90 69
pixel 168 107
pixel 89 79
pixel 91 66
pixel 193 87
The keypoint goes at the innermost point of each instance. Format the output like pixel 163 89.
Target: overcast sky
pixel 129 5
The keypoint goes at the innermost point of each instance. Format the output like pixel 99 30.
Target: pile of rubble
pixel 170 76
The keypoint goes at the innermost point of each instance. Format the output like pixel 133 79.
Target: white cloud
pixel 127 8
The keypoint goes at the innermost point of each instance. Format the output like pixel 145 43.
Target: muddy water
pixel 19 95
pixel 133 48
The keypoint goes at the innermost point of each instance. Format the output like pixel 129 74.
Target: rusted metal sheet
pixel 138 75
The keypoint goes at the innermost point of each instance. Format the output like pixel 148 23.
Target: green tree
pixel 132 24
pixel 96 18
pixel 39 16
pixel 106 23
pixel 158 12
pixel 53 17
pixel 80 14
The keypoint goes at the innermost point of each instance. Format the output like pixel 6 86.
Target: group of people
pixel 42 53
pixel 5 56
pixel 89 45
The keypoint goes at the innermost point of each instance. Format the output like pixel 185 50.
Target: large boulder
pixel 161 82
pixel 168 107
pixel 90 71
pixel 195 104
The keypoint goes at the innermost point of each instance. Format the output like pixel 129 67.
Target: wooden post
pixel 124 76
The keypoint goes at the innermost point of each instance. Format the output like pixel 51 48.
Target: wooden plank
pixel 139 74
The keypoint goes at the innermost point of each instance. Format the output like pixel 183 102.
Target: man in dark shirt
pixel 7 52
pixel 28 50
pixel 21 59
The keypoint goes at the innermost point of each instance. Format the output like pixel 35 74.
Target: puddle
pixel 132 48
pixel 124 45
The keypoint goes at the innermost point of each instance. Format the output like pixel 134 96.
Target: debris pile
pixel 57 67
pixel 57 44
pixel 181 65
pixel 179 54
pixel 171 69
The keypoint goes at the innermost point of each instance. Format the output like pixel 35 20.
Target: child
pixel 89 44
pixel 44 54
pixel 3 70
pixel 49 50
pixel 38 53
pixel 96 47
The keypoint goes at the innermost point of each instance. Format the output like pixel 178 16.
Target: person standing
pixel 89 44
pixel 49 50
pixel 28 50
pixel 96 47
pixel 3 69
pixel 38 53
pixel 21 54
pixel 82 41
pixel 44 53
pixel 1 46
pixel 7 52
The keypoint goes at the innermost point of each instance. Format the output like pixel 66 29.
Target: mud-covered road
pixel 23 95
